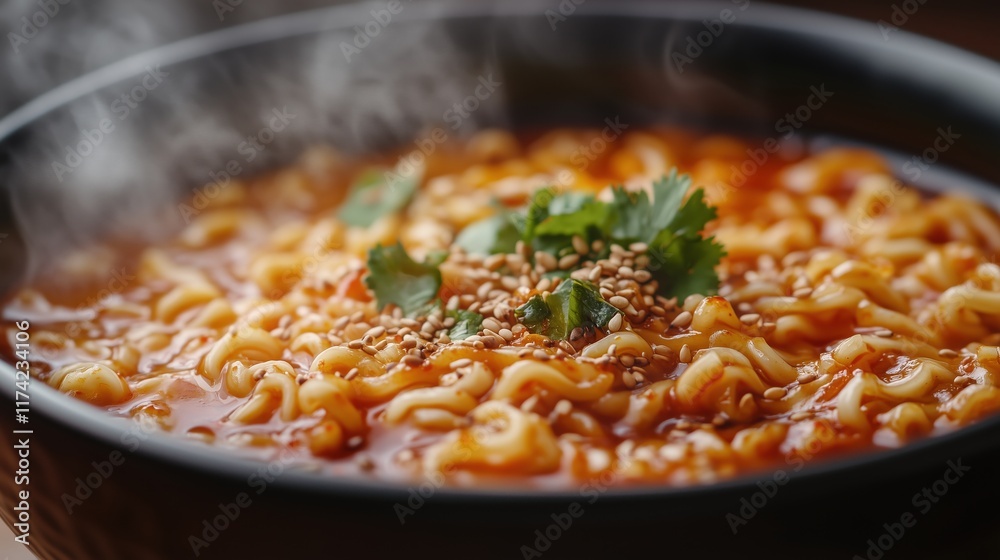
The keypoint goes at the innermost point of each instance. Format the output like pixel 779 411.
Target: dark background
pixel 87 34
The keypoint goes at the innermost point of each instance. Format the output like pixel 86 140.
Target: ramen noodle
pixel 853 313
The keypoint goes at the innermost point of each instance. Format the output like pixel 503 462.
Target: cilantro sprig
pixel 575 303
pixel 396 278
pixel 681 259
pixel 378 192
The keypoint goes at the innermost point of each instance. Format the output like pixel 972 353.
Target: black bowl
pixel 106 153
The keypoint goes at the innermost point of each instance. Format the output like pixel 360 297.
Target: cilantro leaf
pixel 588 213
pixel 396 278
pixel 378 192
pixel 496 234
pixel 575 303
pixel 536 213
pixel 693 216
pixel 467 323
pixel 631 212
pixel 685 264
pixel 642 219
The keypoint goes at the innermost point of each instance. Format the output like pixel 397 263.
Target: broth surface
pixel 852 313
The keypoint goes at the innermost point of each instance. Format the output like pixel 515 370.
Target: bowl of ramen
pixel 506 280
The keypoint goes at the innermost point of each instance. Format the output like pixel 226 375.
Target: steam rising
pixel 119 160
pixel 116 162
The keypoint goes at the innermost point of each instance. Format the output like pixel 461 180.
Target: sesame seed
pixel 606 293
pixel 750 318
pixel 625 271
pixel 802 292
pixel 563 407
pixel 615 324
pixel 612 350
pixel 947 353
pixel 464 362
pixel 355 345
pixel 597 246
pixel 775 393
pixel 406 455
pixel 627 360
pixel 506 334
pixel 412 360
pixel 355 441
pixel 580 246
pixel 804 378
pixel 547 261
pixel 662 350
pixel 375 332
pixel 595 273
pixel 639 376
pixel 370 350
pixel 540 355
pixel 494 262
pixel 628 379
pixel 682 320
pixel 801 415
pixel 884 333
pixel 638 247
pixel 642 276
pixel 685 354
pixel 352 374
pixel 618 301
pixel 569 261
pixel 364 462
pixel 576 334
pixel 492 324
pixel 746 401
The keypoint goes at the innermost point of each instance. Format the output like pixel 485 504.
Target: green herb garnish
pixel 396 278
pixel 681 259
pixel 378 192
pixel 496 234
pixel 573 304
pixel 467 323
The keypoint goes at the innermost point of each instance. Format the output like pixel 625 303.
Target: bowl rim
pixel 176 452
